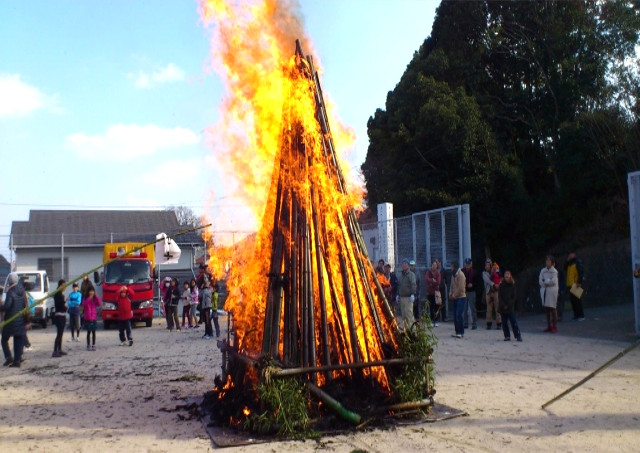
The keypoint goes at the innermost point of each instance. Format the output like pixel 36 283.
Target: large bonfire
pixel 304 299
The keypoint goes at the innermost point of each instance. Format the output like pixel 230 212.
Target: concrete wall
pixel 608 278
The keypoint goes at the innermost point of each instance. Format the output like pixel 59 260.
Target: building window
pixel 52 266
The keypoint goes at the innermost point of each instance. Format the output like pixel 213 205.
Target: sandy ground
pixel 131 399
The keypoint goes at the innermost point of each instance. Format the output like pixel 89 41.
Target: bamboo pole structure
pixel 593 374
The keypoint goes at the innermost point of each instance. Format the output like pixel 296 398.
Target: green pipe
pixel 334 405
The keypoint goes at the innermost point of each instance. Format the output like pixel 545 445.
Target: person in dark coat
pixel 59 318
pixel 15 324
pixel 507 306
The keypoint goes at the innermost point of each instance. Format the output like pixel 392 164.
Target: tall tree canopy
pixel 526 110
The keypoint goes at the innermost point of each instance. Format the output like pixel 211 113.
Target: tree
pixel 520 109
pixel 186 216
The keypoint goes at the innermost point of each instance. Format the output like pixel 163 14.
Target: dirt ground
pixel 132 399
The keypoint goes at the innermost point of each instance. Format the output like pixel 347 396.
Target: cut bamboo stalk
pixel 321 289
pixel 334 404
pixel 349 366
pixel 349 305
pixel 405 406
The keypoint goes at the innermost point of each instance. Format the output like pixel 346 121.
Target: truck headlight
pixel 109 306
pixel 146 304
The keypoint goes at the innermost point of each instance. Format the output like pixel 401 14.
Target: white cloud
pixel 172 174
pixel 126 142
pixel 167 74
pixel 19 98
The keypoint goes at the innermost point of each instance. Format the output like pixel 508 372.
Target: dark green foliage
pixel 526 110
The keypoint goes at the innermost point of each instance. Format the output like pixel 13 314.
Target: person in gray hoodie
pixel 15 322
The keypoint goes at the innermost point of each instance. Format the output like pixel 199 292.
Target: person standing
pixel 433 278
pixel 203 274
pixel 393 279
pixel 507 305
pixel 574 274
pixel 90 306
pixel 185 298
pixel 458 295
pixel 417 303
pixel 491 296
pixel 214 308
pixel 194 301
pixel 470 310
pixel 74 302
pixel 174 301
pixel 444 309
pixel 125 314
pixel 406 294
pixel 85 286
pixel 16 323
pixel 165 295
pixel 59 318
pixel 548 280
pixel 387 287
pixel 205 311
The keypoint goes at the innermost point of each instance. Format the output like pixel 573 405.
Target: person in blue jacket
pixel 74 302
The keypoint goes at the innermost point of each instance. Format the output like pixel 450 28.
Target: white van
pixel 37 283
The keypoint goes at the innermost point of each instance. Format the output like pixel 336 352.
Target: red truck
pixel 135 270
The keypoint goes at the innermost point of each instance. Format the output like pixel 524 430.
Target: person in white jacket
pixel 548 281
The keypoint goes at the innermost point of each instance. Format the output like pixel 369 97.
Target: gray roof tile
pixel 95 227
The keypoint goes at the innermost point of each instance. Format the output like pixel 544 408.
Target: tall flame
pixel 268 97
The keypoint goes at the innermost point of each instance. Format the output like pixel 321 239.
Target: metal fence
pixel 634 217
pixel 424 236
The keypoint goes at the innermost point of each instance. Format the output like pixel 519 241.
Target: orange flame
pixel 267 96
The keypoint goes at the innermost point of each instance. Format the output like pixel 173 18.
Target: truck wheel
pixel 149 322
pixel 107 324
pixel 43 323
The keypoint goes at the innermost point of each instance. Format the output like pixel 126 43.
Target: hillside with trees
pixel 528 111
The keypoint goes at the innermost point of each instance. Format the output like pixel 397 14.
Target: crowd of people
pixel 452 294
pixel 82 303
pixel 200 294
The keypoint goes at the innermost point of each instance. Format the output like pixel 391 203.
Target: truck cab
pixel 37 284
pixel 134 268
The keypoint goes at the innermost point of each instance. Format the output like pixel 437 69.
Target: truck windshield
pixel 128 272
pixel 33 281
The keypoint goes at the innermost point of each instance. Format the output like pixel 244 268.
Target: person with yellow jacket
pixel 458 294
pixel 574 272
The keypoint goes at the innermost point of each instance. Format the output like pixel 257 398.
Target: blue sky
pixel 104 104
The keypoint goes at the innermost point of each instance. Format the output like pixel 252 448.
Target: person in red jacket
pixel 124 316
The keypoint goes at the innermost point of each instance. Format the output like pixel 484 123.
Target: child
pixel 507 303
pixel 194 304
pixel 185 297
pixel 90 308
pixel 74 301
pixel 124 316
pixel 495 276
